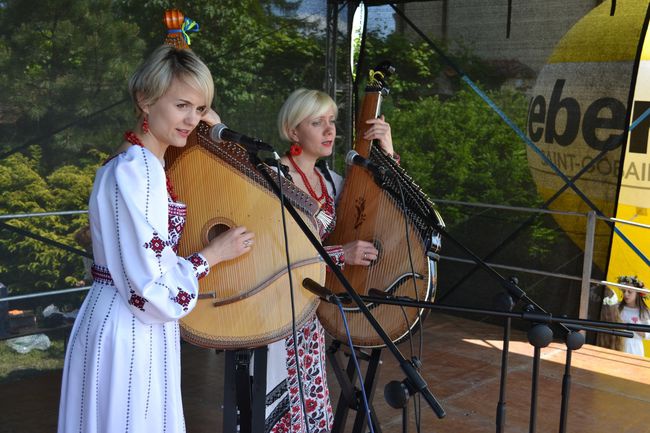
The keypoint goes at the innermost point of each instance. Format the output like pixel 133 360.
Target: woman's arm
pixel 380 130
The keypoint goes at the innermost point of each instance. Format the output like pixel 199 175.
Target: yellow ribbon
pixel 190 26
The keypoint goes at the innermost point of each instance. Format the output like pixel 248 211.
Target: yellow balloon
pixel 578 108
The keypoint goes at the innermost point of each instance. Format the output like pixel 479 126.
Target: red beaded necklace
pixel 134 139
pixel 323 188
pixel 325 199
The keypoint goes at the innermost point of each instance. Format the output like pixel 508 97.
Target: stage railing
pixel 585 278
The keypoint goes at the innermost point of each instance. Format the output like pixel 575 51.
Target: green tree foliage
pixel 459 149
pixel 28 264
pixel 420 70
pixel 67 59
pixel 62 61
pixel 453 144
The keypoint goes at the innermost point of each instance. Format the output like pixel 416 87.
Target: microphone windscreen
pixel 216 131
pixel 349 159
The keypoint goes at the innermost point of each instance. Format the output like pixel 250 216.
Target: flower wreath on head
pixel 632 281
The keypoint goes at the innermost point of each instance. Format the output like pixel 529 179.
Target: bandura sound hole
pixel 216 230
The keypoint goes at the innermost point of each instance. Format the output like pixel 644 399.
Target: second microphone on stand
pixel 353 158
pixel 323 292
pixel 220 132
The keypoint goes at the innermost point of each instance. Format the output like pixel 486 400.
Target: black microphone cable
pixel 362 385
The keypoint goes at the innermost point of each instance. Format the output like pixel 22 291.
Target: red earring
pixel 295 149
pixel 145 125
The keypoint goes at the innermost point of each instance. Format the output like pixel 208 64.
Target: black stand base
pixel 350 397
pixel 244 401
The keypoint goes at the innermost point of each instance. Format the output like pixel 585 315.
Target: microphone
pixel 220 132
pixel 353 158
pixel 320 291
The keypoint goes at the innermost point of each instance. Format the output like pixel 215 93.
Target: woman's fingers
pixel 380 130
pixel 360 253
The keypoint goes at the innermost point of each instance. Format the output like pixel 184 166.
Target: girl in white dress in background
pixel 633 309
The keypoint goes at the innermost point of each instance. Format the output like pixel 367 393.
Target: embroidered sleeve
pixel 129 208
pixel 336 254
pixel 200 265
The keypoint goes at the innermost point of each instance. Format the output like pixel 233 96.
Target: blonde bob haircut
pixel 300 105
pixel 155 75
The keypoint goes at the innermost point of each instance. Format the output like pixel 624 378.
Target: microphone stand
pixel 413 377
pixel 539 336
pixel 504 300
pixel 580 324
pixel 424 210
pixel 574 341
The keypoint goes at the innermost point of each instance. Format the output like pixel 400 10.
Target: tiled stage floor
pixel 610 391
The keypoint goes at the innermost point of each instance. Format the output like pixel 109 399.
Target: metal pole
pixel 330 55
pixel 587 265
pixel 330 49
pixel 349 97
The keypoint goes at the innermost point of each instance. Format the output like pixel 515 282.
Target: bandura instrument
pixel 245 302
pixel 393 218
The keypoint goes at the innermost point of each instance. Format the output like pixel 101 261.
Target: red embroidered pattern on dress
pixel 199 262
pixel 326 218
pixel 137 301
pixel 311 343
pixel 328 207
pixel 101 274
pixel 283 425
pixel 337 255
pixel 176 223
pixel 157 244
pixel 183 298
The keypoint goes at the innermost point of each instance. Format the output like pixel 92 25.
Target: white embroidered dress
pixel 284 411
pixel 122 368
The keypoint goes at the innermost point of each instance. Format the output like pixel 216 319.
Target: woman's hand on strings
pixel 229 245
pixel 361 253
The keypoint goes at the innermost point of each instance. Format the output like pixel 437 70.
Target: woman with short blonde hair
pixel 154 77
pixel 307 120
pixel 122 367
pixel 301 104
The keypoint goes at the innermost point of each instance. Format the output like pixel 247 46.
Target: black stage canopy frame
pixel 345 95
